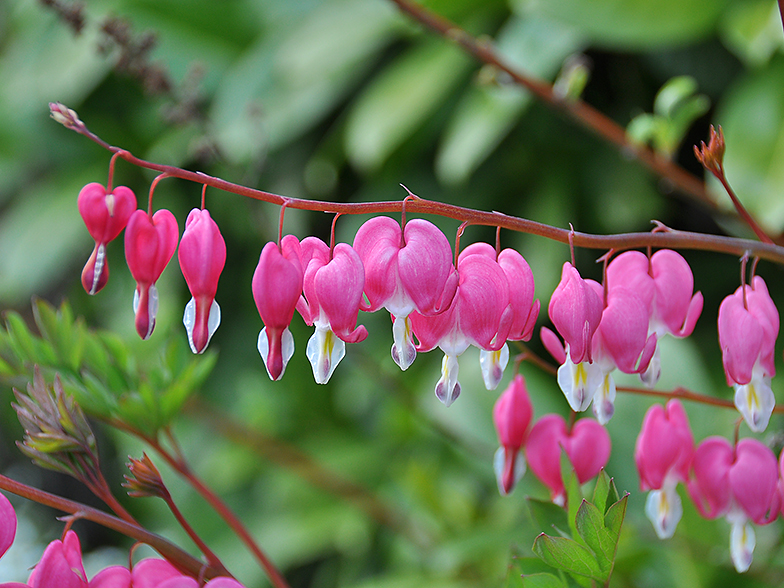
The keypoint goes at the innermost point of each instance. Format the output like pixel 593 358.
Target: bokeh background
pixel 369 481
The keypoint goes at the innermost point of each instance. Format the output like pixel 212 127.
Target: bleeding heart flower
pixel 202 255
pixel 748 327
pixel 405 270
pixel 277 287
pixel 7 524
pixel 511 415
pixel 332 288
pixel 587 446
pixel 150 242
pixel 105 216
pixel 60 566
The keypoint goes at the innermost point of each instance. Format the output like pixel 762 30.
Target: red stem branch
pixel 171 552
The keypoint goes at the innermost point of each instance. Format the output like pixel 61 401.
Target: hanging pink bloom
pixel 575 309
pixel 525 309
pixel 512 416
pixel 332 288
pixel 150 243
pixel 105 216
pixel 405 270
pixel 60 566
pixel 663 455
pixel 202 255
pixel 587 446
pixel 7 524
pixel 747 336
pixel 277 287
pixel 152 573
pixel 480 315
pixel 665 284
pixel 740 484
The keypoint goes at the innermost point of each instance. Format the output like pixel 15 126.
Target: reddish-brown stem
pixel 781 12
pixel 203 547
pixel 152 189
pixel 171 552
pixel 620 242
pixel 580 111
pixel 180 465
pixel 739 208
pixel 684 394
pixel 203 195
pixel 111 172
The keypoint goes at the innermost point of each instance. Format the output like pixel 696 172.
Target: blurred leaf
pixel 590 526
pixel 401 99
pixel 631 24
pixel 489 110
pixel 752 117
pixel 568 555
pixel 613 520
pixel 752 30
pixel 546 514
pixel 541 581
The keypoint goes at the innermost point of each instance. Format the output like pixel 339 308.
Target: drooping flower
pixel 587 446
pixel 61 565
pixel 7 524
pixel 480 315
pixel 665 284
pixel 332 288
pixel 202 255
pixel 277 287
pixel 525 309
pixel 150 242
pixel 740 484
pixel 511 415
pixel 663 456
pixel 405 270
pixel 748 327
pixel 105 216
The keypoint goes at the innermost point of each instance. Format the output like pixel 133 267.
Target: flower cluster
pixel 61 566
pixel 586 444
pixel 742 483
pixel 484 301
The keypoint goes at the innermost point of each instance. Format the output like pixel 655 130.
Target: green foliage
pixel 586 554
pixel 100 371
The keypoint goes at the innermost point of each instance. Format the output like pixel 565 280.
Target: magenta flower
pixel 665 284
pixel 105 216
pixel 405 270
pixel 277 287
pixel 7 524
pixel 663 455
pixel 740 484
pixel 332 288
pixel 525 309
pixel 747 335
pixel 480 315
pixel 587 446
pixel 150 242
pixel 512 416
pixel 202 255
pixel 60 566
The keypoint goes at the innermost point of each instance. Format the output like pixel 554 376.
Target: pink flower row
pixel 61 566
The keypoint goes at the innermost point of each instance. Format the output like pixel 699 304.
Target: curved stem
pixel 176 556
pixel 685 394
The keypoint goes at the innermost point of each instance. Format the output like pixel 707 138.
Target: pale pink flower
pixel 512 416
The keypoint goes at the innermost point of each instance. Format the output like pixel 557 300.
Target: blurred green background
pixel 343 100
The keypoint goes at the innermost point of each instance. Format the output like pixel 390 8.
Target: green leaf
pixel 590 526
pixel 673 93
pixel 542 581
pixel 546 514
pixel 613 520
pixel 574 498
pixel 401 99
pixel 568 555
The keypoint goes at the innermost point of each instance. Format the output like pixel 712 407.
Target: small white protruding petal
pixel 742 542
pixel 100 260
pixel 448 388
pixel 403 348
pixel 324 350
pixel 664 509
pixel 579 382
pixel 652 373
pixel 755 401
pixel 498 466
pixel 604 400
pixel 493 364
pixel 189 320
pixel 286 347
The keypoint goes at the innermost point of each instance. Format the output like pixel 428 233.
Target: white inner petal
pixel 493 364
pixel 324 350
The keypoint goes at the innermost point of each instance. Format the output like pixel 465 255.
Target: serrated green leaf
pixel 568 555
pixel 613 520
pixel 541 581
pixel 590 526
